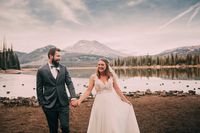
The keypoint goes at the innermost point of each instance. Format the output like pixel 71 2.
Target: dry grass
pixel 154 114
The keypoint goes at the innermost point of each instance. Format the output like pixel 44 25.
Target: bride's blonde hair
pixel 107 71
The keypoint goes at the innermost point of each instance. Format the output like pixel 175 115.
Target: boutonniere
pixel 58 69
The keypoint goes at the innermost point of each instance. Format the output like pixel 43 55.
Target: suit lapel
pixel 59 73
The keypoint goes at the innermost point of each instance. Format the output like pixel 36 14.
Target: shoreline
pixel 32 101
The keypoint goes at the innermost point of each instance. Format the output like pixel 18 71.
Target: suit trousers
pixel 56 113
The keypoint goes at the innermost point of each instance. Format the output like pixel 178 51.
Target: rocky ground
pixel 155 114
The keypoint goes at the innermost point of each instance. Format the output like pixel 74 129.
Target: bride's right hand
pixel 127 101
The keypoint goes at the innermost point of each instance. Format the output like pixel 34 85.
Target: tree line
pixel 152 60
pixel 8 58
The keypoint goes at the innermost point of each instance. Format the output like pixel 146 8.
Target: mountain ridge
pixel 93 47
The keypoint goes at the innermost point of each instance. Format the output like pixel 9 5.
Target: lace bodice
pixel 100 86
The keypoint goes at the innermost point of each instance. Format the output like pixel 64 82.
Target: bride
pixel 111 111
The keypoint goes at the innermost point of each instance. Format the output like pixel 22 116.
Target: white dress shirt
pixel 54 72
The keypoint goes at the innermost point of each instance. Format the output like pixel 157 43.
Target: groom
pixel 51 92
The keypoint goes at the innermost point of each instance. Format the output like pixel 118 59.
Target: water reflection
pixel 81 73
pixel 165 73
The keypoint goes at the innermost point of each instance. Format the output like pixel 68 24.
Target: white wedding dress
pixel 109 113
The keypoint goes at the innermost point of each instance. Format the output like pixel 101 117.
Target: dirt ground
pixel 155 114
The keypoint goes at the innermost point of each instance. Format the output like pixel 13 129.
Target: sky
pixel 134 27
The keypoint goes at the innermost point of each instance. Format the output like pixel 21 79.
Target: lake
pixel 15 85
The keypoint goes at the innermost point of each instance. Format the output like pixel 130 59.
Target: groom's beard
pixel 55 62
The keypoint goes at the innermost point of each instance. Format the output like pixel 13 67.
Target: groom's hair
pixel 52 51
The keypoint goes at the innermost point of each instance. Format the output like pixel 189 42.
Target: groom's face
pixel 56 58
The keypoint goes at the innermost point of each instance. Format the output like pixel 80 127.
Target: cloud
pixel 25 13
pixel 197 5
pixel 14 15
pixel 64 10
pixel 134 2
pixel 193 15
pixel 77 5
pixel 127 24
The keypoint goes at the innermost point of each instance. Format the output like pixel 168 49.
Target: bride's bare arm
pixel 119 92
pixel 88 91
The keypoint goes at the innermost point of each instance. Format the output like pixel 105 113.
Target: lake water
pixel 14 85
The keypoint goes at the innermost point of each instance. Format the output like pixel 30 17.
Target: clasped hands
pixel 75 103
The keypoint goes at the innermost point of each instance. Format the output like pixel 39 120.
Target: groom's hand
pixel 74 103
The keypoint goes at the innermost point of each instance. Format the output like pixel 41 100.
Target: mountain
pixel 83 53
pixel 78 58
pixel 39 57
pixel 182 50
pixel 20 54
pixel 94 48
pixel 68 59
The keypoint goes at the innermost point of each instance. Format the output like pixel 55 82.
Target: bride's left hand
pixel 78 102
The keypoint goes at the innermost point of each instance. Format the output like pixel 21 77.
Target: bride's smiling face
pixel 101 66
